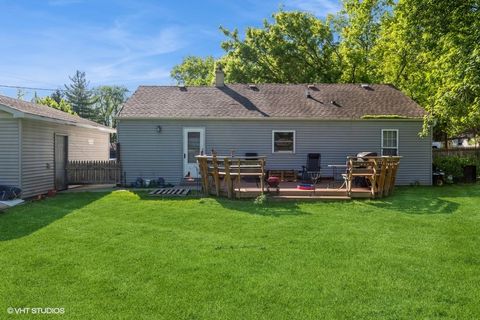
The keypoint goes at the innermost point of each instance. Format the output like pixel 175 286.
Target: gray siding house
pixel 37 141
pixel 162 128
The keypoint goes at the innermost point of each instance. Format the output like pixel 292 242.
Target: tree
pixel 194 71
pixel 57 95
pixel 358 25
pixel 296 48
pixel 20 94
pixel 80 97
pixel 50 102
pixel 430 50
pixel 108 101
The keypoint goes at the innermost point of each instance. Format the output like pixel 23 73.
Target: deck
pixel 324 190
pixel 244 177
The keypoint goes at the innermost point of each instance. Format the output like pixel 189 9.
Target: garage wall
pixel 9 150
pixel 38 151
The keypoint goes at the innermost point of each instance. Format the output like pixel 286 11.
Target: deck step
pixel 310 197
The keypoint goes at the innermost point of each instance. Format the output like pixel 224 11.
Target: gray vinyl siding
pixel 38 151
pixel 149 154
pixel 9 150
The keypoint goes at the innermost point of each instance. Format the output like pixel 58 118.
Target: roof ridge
pixel 266 84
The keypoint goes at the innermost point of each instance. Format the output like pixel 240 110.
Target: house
pixel 162 128
pixel 37 141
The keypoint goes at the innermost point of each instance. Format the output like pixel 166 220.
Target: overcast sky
pixel 129 42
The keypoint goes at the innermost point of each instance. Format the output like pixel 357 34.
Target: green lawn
pixel 127 256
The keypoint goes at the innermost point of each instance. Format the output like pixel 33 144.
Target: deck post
pixel 388 177
pixel 262 177
pixel 239 181
pixel 216 177
pixel 228 178
pixel 350 177
pixel 374 177
pixel 381 181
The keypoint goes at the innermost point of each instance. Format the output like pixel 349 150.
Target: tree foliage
pixel 358 25
pixel 80 97
pixel 63 105
pixel 57 95
pixel 429 49
pixel 108 101
pixel 194 71
pixel 295 48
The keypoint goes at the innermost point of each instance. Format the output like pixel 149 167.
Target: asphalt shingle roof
pixel 326 101
pixel 46 112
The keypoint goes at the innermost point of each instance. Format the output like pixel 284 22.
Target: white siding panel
pixel 38 151
pixel 147 153
pixel 9 150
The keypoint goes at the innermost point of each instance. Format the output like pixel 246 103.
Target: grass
pixel 123 255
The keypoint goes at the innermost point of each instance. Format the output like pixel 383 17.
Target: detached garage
pixel 36 142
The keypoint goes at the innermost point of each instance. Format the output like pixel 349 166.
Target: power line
pixel 30 88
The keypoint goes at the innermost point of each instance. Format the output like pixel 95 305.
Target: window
pixel 389 142
pixel 283 141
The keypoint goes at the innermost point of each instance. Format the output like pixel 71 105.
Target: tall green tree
pixel 63 105
pixel 57 95
pixel 296 47
pixel 430 50
pixel 80 97
pixel 358 26
pixel 194 71
pixel 108 101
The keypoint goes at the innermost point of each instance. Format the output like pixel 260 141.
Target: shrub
pixel 260 200
pixel 453 165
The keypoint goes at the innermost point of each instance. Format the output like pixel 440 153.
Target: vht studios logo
pixel 28 310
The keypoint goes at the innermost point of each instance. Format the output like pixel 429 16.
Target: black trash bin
pixel 470 173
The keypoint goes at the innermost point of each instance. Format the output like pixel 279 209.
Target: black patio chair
pixel 312 171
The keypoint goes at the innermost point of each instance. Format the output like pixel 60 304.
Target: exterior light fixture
pixel 159 129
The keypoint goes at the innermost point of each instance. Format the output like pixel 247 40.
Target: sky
pixel 123 42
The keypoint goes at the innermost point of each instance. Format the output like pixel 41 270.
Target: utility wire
pixel 30 88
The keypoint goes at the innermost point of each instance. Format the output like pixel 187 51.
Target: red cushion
pixel 273 180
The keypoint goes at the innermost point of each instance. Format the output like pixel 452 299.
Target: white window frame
pixel 398 137
pixel 284 131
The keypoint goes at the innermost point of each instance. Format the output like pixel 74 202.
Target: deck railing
pixel 230 170
pixel 381 172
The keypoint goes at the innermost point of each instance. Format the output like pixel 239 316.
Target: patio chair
pixel 312 171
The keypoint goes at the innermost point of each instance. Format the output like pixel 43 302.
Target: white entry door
pixel 193 145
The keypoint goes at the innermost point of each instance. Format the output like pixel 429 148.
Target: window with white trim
pixel 389 142
pixel 283 141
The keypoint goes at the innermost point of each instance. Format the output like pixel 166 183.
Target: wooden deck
pixel 234 177
pixel 325 190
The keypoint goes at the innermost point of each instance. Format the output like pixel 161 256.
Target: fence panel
pixel 456 152
pixel 94 172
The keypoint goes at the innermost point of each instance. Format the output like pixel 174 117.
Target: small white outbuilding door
pixel 193 145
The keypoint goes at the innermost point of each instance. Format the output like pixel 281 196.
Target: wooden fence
pixel 94 172
pixel 456 152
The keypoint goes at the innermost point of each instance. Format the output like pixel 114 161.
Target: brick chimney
pixel 219 75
